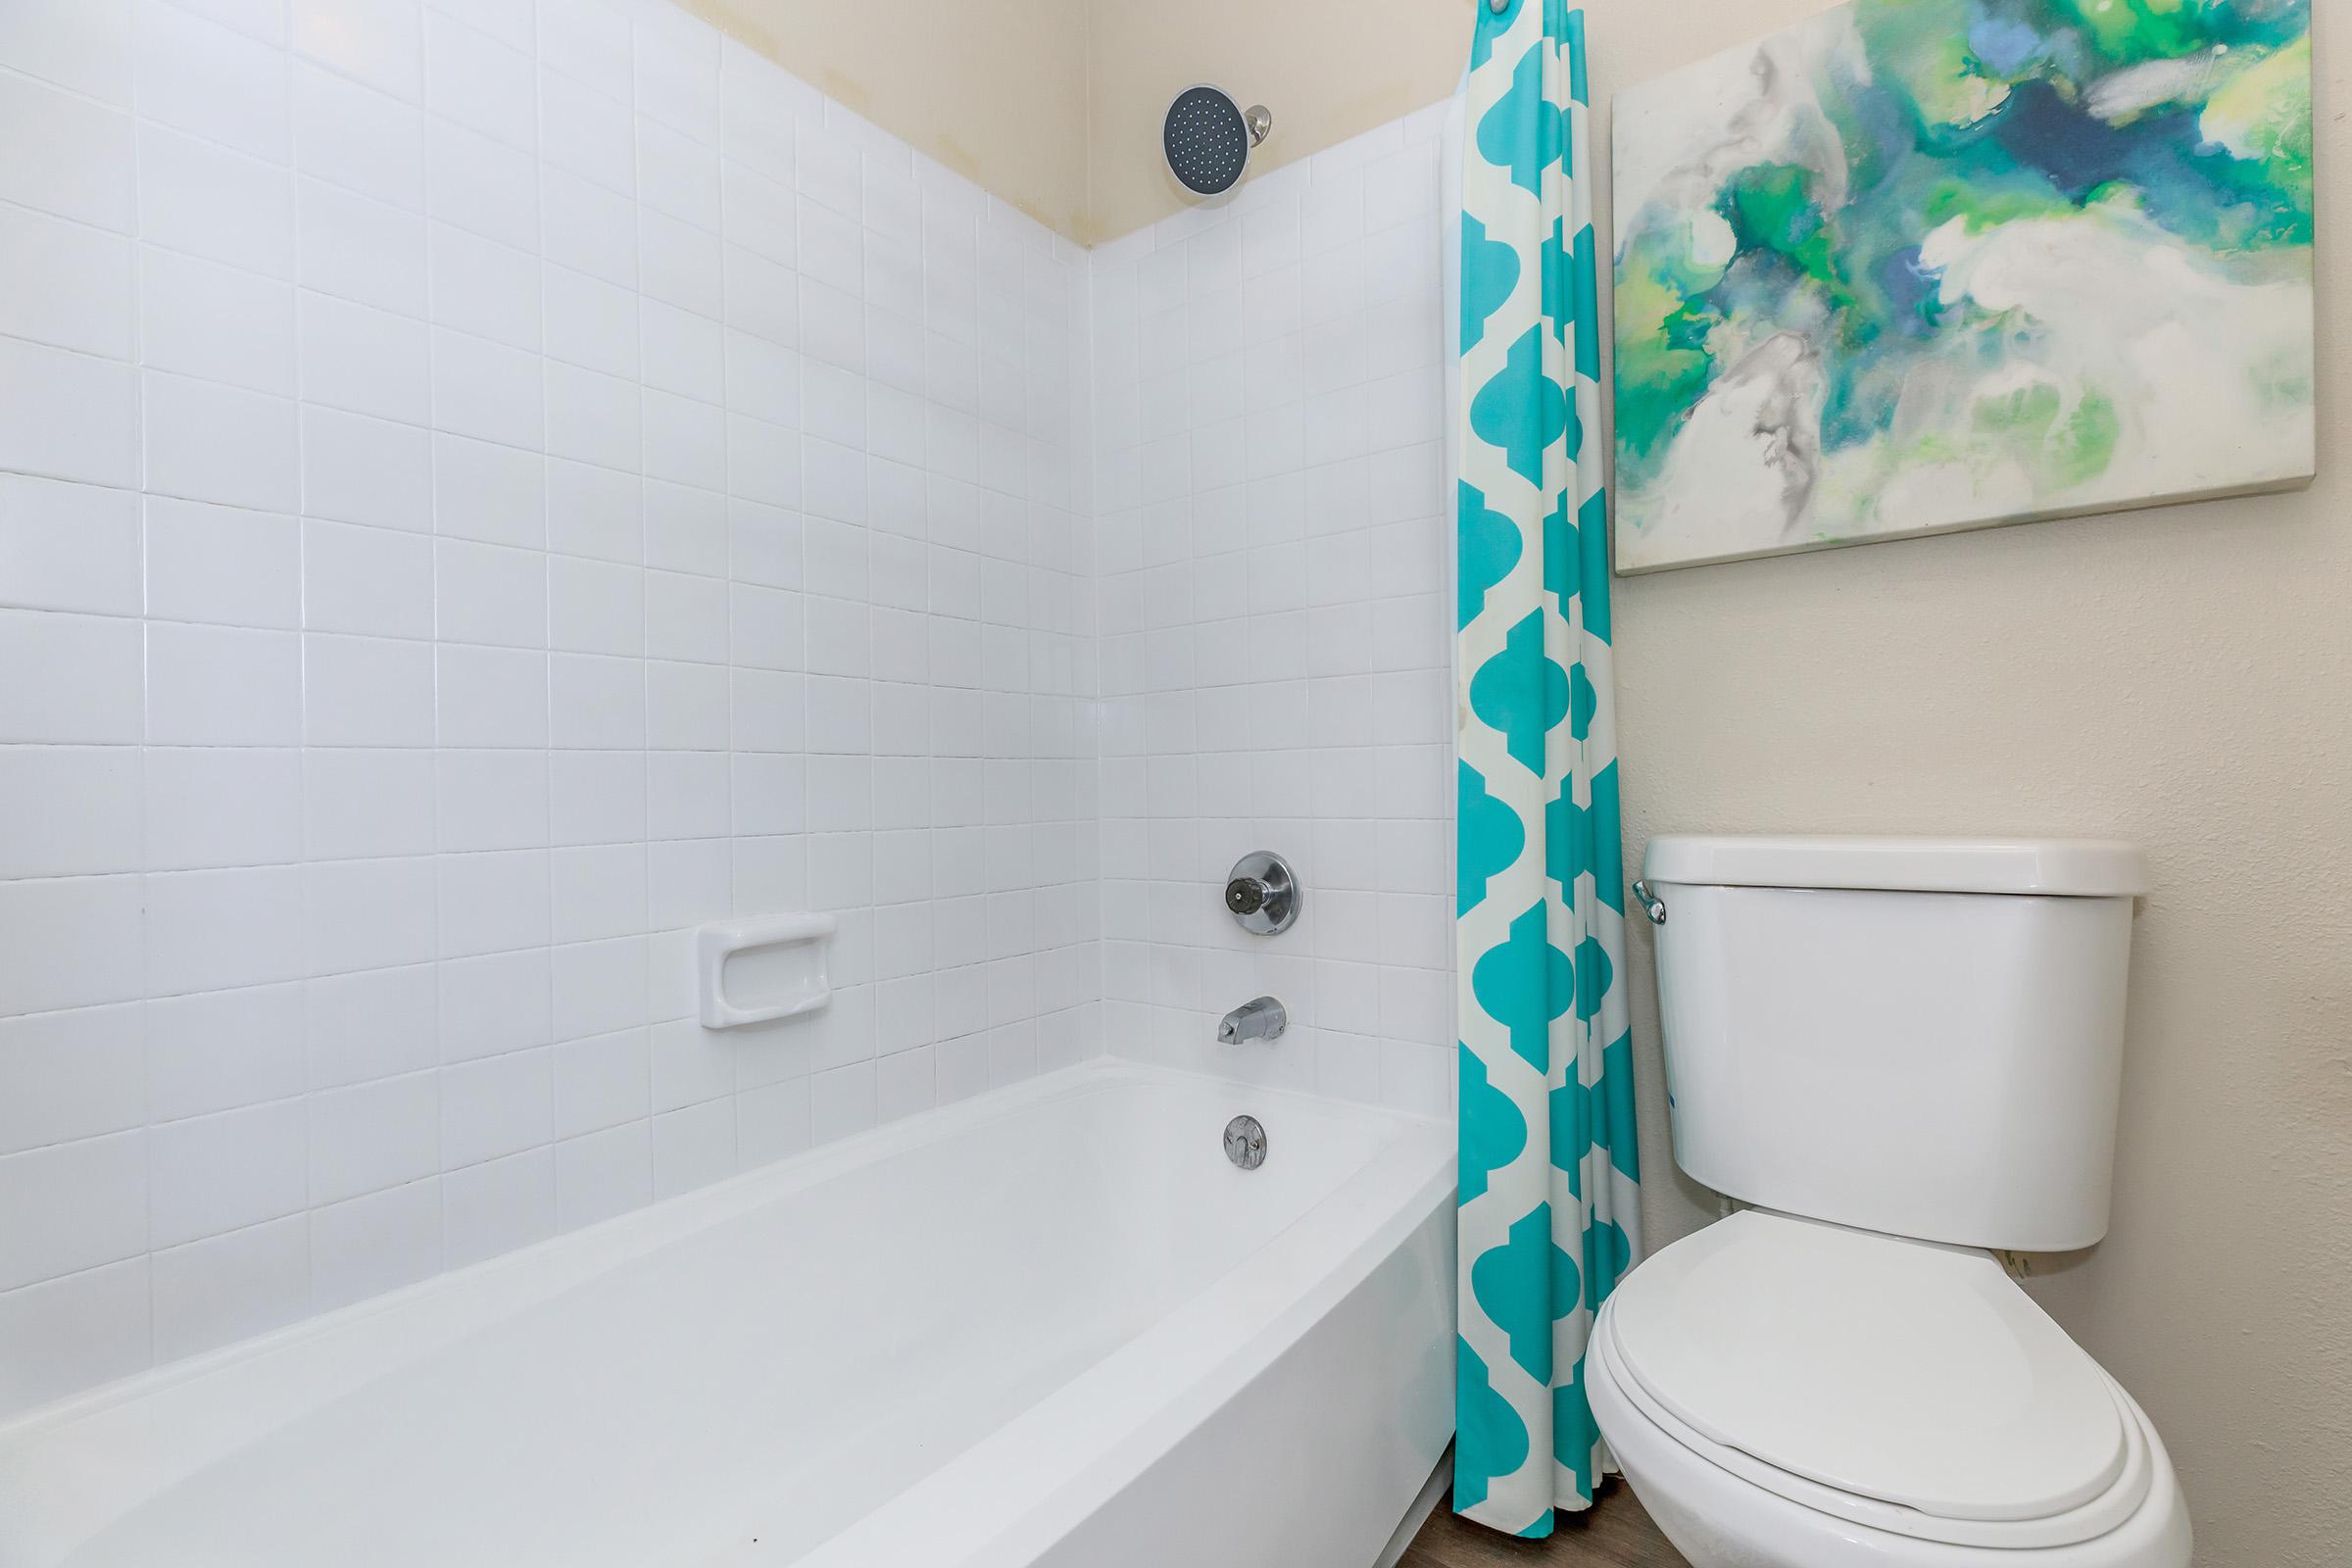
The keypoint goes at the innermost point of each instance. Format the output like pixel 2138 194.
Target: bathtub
pixel 1050 1326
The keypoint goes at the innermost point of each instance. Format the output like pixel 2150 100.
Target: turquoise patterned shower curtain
pixel 1549 1195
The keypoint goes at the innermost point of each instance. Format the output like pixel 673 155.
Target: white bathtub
pixel 1050 1326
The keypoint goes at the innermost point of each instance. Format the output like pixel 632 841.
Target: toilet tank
pixel 1918 1037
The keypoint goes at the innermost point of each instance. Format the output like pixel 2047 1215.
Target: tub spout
pixel 1263 1018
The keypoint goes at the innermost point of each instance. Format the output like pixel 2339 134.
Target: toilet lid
pixel 1903 1371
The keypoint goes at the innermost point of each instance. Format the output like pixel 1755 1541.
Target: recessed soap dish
pixel 769 966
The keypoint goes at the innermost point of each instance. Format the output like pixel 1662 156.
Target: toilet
pixel 1894 1055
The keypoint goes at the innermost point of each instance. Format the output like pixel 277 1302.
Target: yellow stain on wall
pixel 852 95
pixel 957 157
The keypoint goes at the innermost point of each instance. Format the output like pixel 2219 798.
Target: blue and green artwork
pixel 1924 264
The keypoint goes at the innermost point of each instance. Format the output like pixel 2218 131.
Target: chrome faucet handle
pixel 1261 894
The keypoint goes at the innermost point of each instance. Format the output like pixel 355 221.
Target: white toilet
pixel 1900 1052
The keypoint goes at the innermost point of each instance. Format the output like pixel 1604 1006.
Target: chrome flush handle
pixel 1651 904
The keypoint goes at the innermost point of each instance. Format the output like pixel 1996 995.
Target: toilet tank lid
pixel 2085 868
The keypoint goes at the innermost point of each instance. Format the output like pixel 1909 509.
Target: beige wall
pixel 1328 68
pixel 1055 105
pixel 994 89
pixel 2182 678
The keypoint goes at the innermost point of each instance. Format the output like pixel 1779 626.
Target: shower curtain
pixel 1549 1197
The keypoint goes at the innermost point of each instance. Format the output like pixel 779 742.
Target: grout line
pixel 138 405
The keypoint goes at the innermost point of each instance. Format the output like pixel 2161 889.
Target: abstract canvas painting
pixel 1923 265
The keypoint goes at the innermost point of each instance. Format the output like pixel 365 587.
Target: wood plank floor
pixel 1613 1531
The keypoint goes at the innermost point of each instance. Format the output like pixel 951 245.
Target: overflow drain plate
pixel 1245 1143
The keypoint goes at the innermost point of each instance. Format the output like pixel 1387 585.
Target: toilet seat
pixel 1905 1386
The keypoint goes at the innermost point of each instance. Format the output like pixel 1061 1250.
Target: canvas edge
pixel 2285 484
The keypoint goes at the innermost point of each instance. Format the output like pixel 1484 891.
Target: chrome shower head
pixel 1207 136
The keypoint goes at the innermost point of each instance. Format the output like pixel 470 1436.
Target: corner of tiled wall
pixel 485 486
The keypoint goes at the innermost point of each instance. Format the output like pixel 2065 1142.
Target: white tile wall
pixel 507 484
pixel 1275 636
pixel 481 490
